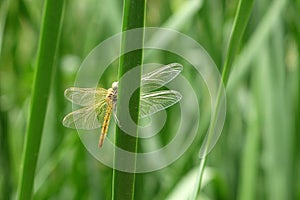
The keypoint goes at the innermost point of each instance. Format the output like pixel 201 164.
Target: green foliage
pixel 257 155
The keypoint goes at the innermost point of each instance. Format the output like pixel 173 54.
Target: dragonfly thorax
pixel 112 93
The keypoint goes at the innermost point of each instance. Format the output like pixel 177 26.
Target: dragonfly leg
pixel 116 119
pixel 115 115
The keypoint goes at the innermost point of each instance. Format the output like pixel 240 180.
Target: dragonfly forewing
pixel 85 96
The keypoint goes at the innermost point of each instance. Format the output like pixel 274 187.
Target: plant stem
pixel 49 39
pixel 240 22
pixel 133 17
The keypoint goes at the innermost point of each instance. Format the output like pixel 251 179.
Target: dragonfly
pixel 99 103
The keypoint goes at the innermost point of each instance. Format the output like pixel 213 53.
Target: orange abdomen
pixel 105 124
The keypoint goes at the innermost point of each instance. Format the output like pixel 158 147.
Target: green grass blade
pixel 241 20
pixel 277 113
pixel 239 26
pixel 250 156
pixel 133 17
pixel 49 38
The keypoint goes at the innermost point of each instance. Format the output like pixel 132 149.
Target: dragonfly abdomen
pixel 106 119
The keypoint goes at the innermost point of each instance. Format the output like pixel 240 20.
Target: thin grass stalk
pixel 240 22
pixel 48 42
pixel 238 29
pixel 250 155
pixel 133 17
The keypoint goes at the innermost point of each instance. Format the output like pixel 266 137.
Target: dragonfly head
pixel 115 85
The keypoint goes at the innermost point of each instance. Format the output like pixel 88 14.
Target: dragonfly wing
pixel 161 76
pixel 85 96
pixel 88 118
pixel 153 102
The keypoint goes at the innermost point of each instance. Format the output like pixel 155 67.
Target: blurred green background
pixel 257 155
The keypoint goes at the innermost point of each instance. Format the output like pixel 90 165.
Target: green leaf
pixel 48 43
pixel 133 17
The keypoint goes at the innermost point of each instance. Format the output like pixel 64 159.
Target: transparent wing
pixel 153 102
pixel 161 76
pixel 85 96
pixel 89 117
